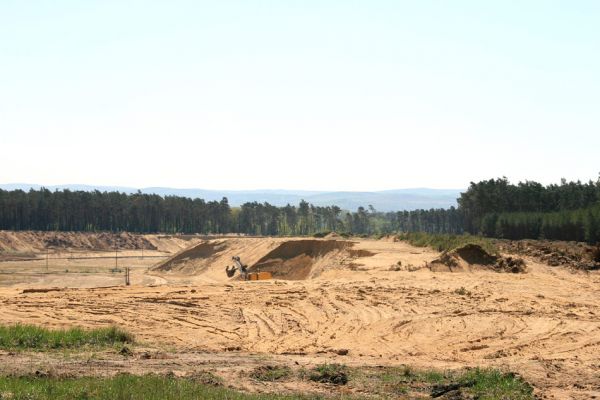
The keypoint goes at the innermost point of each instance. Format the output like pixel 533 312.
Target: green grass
pixel 491 384
pixel 372 382
pixel 271 373
pixel 483 384
pixel 31 337
pixel 443 242
pixel 336 374
pixel 122 387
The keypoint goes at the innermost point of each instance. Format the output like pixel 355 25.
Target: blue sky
pixel 327 95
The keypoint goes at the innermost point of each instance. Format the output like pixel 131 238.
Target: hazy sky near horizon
pixel 320 95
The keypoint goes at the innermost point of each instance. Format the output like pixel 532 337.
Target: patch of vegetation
pixel 271 373
pixel 336 374
pixel 126 351
pixel 443 242
pixel 31 337
pixel 321 234
pixel 386 381
pixel 207 378
pixel 403 381
pixel 489 384
pixel 381 382
pixel 122 387
pixel 462 291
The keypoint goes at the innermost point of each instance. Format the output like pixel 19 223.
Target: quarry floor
pixel 378 303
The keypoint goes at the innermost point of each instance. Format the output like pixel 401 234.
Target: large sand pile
pixel 284 258
pixel 209 258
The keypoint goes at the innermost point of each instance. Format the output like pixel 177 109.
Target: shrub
pixel 321 234
pixel 336 374
pixel 270 373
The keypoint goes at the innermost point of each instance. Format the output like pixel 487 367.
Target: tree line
pixel 567 211
pixel 66 210
pixel 494 208
pixel 527 210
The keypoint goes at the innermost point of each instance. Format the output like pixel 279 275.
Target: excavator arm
pixel 237 267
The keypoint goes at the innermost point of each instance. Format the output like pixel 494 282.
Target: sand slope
pixel 37 241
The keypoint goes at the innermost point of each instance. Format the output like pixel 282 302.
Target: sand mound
pixel 471 257
pixel 206 251
pixel 284 258
pixel 30 243
pixel 296 259
pixel 36 241
pixel 210 257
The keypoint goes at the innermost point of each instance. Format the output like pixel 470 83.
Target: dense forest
pixel 527 210
pixel 113 211
pixel 494 208
pixel 569 211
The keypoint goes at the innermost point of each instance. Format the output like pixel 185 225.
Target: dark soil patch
pixel 471 255
pixel 475 254
pixel 574 255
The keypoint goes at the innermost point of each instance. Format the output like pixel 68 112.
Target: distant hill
pixel 386 200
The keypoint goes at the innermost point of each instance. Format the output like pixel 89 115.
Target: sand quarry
pixel 352 301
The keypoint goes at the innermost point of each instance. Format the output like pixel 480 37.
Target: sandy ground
pixel 544 324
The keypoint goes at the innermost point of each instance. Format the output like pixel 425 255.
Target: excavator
pixel 243 268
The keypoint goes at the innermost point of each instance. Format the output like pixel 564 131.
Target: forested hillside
pixel 494 208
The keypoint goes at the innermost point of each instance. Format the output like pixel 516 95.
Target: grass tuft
pixel 31 337
pixel 489 384
pixel 483 384
pixel 271 373
pixel 336 374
